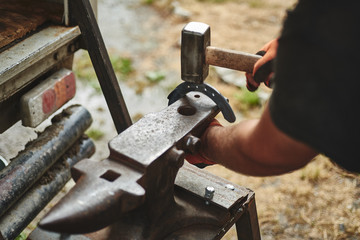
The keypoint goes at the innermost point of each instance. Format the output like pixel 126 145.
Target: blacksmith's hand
pixel 199 159
pixel 263 67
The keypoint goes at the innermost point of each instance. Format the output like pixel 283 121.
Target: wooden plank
pixel 20 17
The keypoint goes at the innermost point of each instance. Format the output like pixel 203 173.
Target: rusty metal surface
pixel 40 154
pixel 247 226
pixel 33 201
pixel 97 199
pixel 39 234
pixel 20 17
pixel 190 217
pixel 226 193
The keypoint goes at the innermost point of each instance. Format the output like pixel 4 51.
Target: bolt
pixel 192 144
pixel 209 194
pixel 229 186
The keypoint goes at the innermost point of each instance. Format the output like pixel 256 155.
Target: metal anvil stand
pixel 139 193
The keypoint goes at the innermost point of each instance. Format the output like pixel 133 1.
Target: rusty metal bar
pixel 84 17
pixel 40 154
pixel 247 227
pixel 26 209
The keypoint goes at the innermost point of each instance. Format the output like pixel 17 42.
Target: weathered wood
pixel 231 59
pixel 20 17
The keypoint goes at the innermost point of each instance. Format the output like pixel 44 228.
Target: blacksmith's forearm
pixel 255 147
pixel 226 146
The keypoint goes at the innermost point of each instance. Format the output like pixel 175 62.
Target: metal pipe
pixel 40 154
pixel 28 207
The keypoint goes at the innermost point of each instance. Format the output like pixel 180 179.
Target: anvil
pixel 138 192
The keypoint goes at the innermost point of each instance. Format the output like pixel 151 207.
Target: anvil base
pixel 193 216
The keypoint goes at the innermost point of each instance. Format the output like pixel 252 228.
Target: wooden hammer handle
pixel 231 59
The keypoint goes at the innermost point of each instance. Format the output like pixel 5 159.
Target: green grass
pixel 148 1
pixel 155 76
pixel 312 175
pixel 22 236
pixel 122 65
pixel 95 134
pixel 84 70
pixel 247 100
pixel 83 67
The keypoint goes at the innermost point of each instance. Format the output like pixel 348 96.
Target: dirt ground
pixel 319 201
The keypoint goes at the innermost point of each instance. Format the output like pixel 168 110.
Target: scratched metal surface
pixel 156 133
pixel 32 57
pixel 226 194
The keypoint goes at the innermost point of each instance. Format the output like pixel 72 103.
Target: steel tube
pixel 40 154
pixel 28 207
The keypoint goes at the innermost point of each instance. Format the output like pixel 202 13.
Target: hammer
pixel 197 54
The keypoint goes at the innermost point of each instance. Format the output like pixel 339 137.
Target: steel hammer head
pixel 195 37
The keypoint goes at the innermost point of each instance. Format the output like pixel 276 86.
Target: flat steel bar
pixel 30 205
pixel 40 154
pixel 95 45
pixel 23 63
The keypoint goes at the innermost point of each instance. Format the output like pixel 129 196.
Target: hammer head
pixel 195 37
